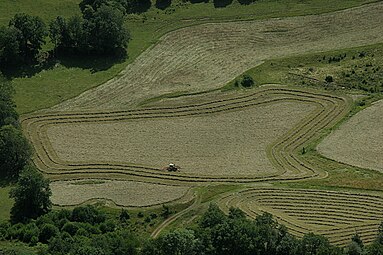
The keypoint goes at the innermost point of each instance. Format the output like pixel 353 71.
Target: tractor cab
pixel 172 167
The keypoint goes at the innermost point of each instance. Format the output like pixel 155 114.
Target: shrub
pixel 47 232
pixel 329 79
pixel 247 81
pixel 87 214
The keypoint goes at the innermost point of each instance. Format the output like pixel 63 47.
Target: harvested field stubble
pixel 122 193
pixel 232 143
pixel 336 215
pixel 328 110
pixel 207 56
pixel 359 141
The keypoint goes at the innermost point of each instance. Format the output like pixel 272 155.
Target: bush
pixel 47 232
pixel 247 81
pixel 32 196
pixel 87 214
pixel 329 79
pixel 70 228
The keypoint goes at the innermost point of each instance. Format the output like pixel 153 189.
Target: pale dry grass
pixel 231 143
pixel 359 141
pixel 208 56
pixel 123 193
pixel 336 215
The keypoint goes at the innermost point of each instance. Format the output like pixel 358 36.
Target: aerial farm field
pixel 298 144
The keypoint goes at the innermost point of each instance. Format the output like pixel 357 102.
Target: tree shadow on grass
pixel 93 62
pixel 246 2
pixel 198 1
pixel 163 4
pixel 222 3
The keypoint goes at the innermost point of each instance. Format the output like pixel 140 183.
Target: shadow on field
pixel 93 62
pixel 246 2
pixel 222 3
pixel 163 4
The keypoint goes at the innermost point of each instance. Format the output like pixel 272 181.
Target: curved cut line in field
pixel 121 193
pixel 207 56
pixel 336 215
pixel 329 110
pixel 358 141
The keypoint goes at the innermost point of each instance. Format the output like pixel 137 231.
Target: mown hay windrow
pixel 232 143
pixel 123 193
pixel 359 141
pixel 336 215
pixel 210 55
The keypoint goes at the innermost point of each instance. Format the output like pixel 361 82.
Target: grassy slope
pixel 70 78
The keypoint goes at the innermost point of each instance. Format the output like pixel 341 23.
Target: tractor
pixel 172 168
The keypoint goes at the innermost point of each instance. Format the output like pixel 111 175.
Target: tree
pixel 15 151
pixel 10 38
pixel 213 216
pixel 107 31
pixel 177 242
pixel 100 30
pixel 8 114
pixel 87 214
pixel 31 194
pixel 33 31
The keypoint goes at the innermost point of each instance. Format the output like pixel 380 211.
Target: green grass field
pixel 69 78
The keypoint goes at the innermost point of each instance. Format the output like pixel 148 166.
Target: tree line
pixel 99 30
pixel 88 230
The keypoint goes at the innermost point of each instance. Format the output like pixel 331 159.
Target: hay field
pixel 233 143
pixel 336 215
pixel 359 141
pixel 208 56
pixel 122 193
pixel 140 141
